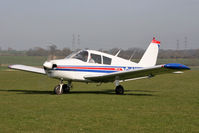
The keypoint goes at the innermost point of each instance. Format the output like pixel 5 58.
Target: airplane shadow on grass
pixel 106 92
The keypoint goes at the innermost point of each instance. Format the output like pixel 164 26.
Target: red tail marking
pixel 155 41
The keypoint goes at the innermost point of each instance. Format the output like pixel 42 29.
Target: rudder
pixel 150 56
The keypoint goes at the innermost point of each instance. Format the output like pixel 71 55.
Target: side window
pixel 94 58
pixel 106 60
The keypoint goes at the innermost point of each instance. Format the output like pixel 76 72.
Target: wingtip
pixel 176 66
pixel 13 66
pixel 10 66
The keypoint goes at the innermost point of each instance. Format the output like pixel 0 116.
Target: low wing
pixel 138 73
pixel 28 68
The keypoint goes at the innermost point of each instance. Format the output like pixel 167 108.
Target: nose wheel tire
pixel 119 89
pixel 62 88
pixel 58 89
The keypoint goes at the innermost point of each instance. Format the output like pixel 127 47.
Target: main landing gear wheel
pixel 58 89
pixel 119 89
pixel 66 88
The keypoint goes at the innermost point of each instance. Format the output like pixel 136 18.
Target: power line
pixel 73 42
pixel 185 42
pixel 177 45
pixel 78 40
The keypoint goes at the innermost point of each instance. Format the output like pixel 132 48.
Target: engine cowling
pixel 48 65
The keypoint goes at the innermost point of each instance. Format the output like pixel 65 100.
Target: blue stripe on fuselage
pixel 100 66
pixel 97 71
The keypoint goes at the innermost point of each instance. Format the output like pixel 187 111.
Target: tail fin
pixel 150 56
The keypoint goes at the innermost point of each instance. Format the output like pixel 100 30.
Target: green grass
pixel 189 62
pixel 3 68
pixel 165 103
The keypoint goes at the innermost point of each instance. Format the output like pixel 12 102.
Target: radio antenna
pixel 118 53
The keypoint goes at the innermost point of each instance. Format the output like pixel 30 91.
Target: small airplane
pixel 98 67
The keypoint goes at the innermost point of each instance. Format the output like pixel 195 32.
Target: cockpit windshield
pixel 82 55
pixel 71 55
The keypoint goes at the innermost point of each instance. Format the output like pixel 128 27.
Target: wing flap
pixel 27 68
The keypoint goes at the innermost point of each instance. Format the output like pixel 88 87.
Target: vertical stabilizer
pixel 150 56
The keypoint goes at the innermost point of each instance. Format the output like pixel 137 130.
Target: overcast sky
pixel 103 24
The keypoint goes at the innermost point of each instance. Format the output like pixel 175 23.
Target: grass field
pixel 165 103
pixel 26 60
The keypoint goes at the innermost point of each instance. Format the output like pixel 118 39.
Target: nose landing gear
pixel 62 88
pixel 58 89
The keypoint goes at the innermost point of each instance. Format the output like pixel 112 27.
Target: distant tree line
pixel 133 53
pixel 137 53
pixel 52 50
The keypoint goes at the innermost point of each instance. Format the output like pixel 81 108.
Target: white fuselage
pixel 74 69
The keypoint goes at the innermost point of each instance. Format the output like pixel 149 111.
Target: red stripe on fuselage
pixel 92 68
